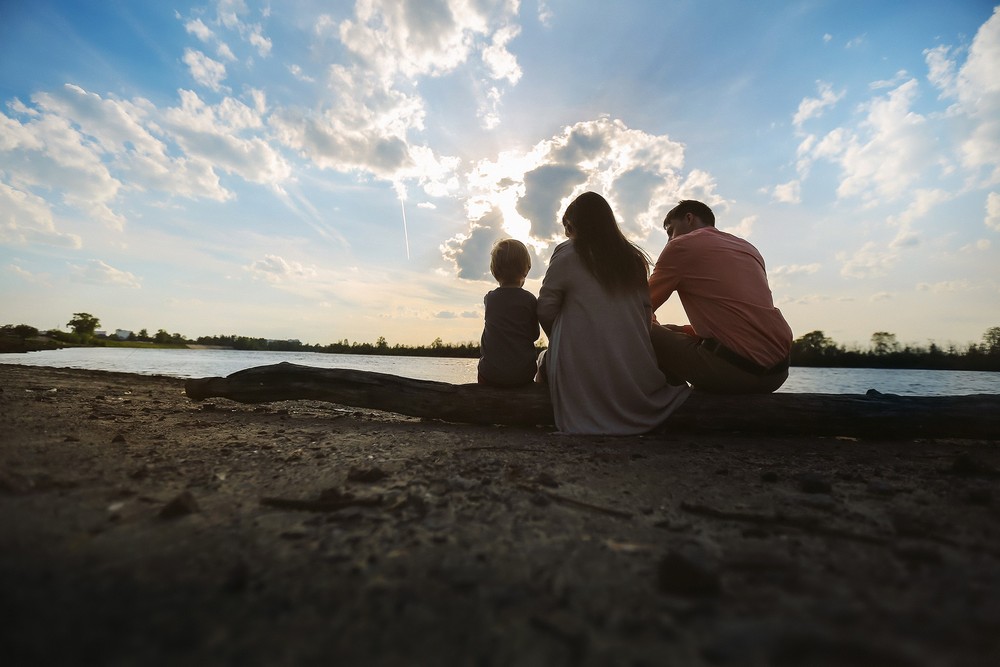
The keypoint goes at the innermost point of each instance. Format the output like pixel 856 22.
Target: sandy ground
pixel 138 527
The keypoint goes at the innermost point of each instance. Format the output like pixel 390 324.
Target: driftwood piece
pixel 850 415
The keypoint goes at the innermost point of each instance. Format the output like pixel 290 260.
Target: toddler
pixel 507 349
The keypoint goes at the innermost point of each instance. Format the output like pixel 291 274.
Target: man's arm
pixel 664 280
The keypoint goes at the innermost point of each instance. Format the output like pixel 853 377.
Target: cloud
pixel 259 41
pixel 745 227
pixel 992 219
pixel 297 72
pixel 197 28
pixel 27 219
pixel 522 193
pixel 207 72
pixel 945 286
pixel 793 269
pixel 868 261
pixel 275 269
pixel 924 200
pixel 27 276
pixel 96 272
pixel 213 133
pixel 788 193
pixel 976 93
pixel 376 108
pixel 856 41
pixel 813 107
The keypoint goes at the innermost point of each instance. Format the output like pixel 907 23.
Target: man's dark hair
pixel 685 206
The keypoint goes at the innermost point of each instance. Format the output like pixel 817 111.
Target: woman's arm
pixel 550 296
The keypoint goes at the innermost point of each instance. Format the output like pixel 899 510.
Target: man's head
pixel 686 217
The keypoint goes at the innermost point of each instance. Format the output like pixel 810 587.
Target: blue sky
pixel 332 170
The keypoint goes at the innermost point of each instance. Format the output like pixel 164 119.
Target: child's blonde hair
pixel 509 261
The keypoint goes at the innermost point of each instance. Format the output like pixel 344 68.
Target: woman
pixel 594 307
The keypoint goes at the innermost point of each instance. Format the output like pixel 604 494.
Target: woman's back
pixel 600 365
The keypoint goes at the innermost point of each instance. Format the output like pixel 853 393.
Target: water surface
pixel 208 363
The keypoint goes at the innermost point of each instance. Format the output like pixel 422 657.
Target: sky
pixel 339 170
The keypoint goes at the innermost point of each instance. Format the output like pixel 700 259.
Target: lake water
pixel 209 363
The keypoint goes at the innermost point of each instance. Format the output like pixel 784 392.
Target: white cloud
pixel 27 219
pixel 977 93
pixel 207 72
pixel 273 268
pixel 992 219
pixel 924 200
pixel 945 286
pixel 500 62
pixel 212 133
pixel 545 13
pixel 882 296
pixel 522 193
pixel 868 261
pixel 885 155
pixel 27 276
pixel 812 107
pixel 376 106
pixel 788 193
pixel 744 229
pixel 793 269
pixel 259 41
pixel 97 272
pixel 297 72
pixel 198 28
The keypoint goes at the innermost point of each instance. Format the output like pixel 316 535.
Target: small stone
pixel 182 505
pixel 460 483
pixel 811 482
pixel 880 488
pixel 546 479
pixel 681 575
pixel 980 496
pixel 366 475
pixel 968 466
pixel 118 438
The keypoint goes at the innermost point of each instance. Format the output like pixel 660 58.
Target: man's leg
pixel 680 357
pixel 676 355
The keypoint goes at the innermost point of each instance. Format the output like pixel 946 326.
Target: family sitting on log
pixel 611 368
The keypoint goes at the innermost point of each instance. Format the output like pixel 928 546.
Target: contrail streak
pixel 406 234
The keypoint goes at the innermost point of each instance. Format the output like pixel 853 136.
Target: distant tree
pixel 813 348
pixel 161 336
pixel 381 343
pixel 143 335
pixel 884 343
pixel 83 324
pixel 24 331
pixel 991 341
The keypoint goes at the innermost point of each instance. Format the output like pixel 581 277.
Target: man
pixel 737 342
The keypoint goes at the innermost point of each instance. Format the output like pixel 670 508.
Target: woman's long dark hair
pixel 617 263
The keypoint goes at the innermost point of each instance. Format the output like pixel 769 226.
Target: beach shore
pixel 140 527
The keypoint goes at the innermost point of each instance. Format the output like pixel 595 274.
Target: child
pixel 507 350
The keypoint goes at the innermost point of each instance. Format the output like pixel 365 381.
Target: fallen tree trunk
pixel 873 415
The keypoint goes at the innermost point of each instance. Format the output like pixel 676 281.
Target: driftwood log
pixel 872 415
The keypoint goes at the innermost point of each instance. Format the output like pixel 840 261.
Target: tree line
pixel 885 351
pixel 812 349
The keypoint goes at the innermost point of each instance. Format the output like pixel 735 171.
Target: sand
pixel 140 527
